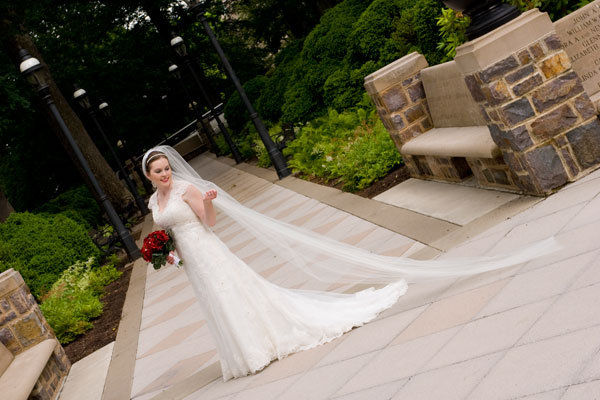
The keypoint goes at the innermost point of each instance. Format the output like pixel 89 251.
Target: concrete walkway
pixel 528 332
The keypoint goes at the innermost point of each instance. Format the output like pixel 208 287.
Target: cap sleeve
pixel 152 201
pixel 180 187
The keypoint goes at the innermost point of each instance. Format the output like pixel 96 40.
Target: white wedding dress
pixel 252 320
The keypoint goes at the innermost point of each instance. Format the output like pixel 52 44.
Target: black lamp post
pixel 486 15
pixel 31 68
pixel 104 110
pixel 179 47
pixel 174 70
pixel 279 162
pixel 84 101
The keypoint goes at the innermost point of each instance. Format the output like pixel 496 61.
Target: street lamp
pixel 279 162
pixel 84 101
pixel 107 115
pixel 179 46
pixel 174 70
pixel 31 68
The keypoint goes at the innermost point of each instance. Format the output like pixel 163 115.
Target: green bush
pixel 352 146
pixel 389 29
pixel 77 204
pixel 453 28
pixel 244 142
pixel 323 53
pixel 40 247
pixel 555 8
pixel 74 298
pixel 259 148
pixel 235 111
pixel 278 80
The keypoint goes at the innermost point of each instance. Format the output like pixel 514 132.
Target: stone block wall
pixel 493 173
pixel 398 93
pixel 539 115
pixel 403 109
pixel 22 326
pixel 451 169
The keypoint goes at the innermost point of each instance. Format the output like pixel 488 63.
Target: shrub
pixel 352 146
pixel 555 8
pixel 323 53
pixel 453 27
pixel 272 96
pixel 40 247
pixel 74 298
pixel 235 111
pixel 77 204
pixel 388 30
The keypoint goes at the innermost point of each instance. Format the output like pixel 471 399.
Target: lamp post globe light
pixel 197 8
pixel 179 46
pixel 104 110
pixel 31 69
pixel 174 70
pixel 84 101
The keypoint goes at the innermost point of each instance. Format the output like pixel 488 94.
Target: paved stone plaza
pixel 528 332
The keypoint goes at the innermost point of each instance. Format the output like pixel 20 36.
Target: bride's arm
pixel 201 204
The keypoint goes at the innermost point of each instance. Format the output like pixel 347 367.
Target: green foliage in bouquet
pixel 74 298
pixel 160 259
pixel 40 247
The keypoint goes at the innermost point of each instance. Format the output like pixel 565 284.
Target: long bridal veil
pixel 331 261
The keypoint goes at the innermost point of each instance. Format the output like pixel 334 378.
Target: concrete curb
pixel 119 378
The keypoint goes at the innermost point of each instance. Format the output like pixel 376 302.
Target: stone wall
pixel 22 326
pixel 539 115
pixel 579 33
pixel 398 94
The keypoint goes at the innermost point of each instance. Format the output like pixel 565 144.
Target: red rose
pixel 156 248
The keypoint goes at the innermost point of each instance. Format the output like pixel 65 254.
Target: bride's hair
pixel 153 156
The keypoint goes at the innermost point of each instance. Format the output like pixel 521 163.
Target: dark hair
pixel 153 156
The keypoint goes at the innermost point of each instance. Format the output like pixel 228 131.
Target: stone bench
pixel 439 129
pixel 32 363
pixel 467 142
pixel 532 85
pixel 18 375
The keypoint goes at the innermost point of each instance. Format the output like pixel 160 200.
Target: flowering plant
pixel 157 247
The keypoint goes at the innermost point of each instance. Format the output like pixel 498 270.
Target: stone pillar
pixel 22 326
pixel 398 94
pixel 537 111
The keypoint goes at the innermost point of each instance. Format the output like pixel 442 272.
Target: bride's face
pixel 160 173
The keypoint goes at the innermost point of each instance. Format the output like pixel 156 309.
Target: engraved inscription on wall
pixel 580 34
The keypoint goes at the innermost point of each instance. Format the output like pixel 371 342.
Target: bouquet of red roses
pixel 157 247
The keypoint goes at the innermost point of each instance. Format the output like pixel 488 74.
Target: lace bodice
pixel 176 211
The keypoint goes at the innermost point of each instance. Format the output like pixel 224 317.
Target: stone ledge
pixel 20 377
pixel 9 281
pixel 472 142
pixel 399 70
pixel 492 47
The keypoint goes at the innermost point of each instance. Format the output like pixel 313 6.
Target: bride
pixel 254 321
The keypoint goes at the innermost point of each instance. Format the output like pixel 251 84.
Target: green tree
pixel 14 36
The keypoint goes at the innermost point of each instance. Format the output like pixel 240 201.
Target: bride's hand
pixel 210 195
pixel 170 258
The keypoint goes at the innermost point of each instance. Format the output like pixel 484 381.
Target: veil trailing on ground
pixel 331 261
